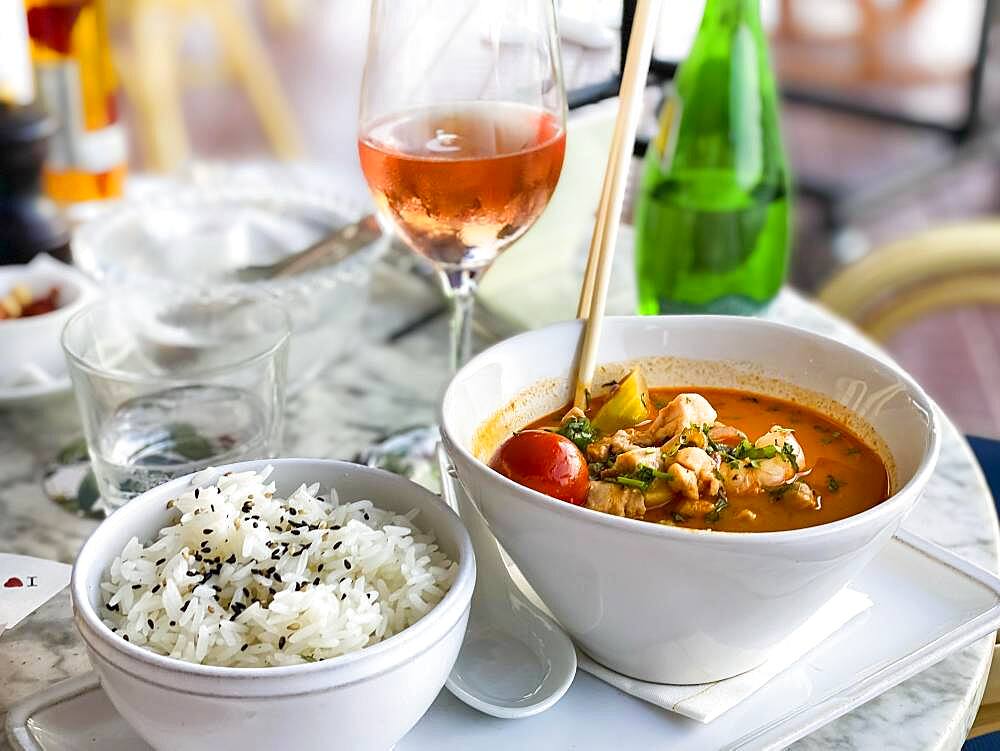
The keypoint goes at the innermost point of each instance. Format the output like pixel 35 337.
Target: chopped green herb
pixel 789 453
pixel 778 493
pixel 721 503
pixel 852 451
pixel 833 483
pixel 831 438
pixel 642 478
pixel 631 482
pixel 679 518
pixel 580 431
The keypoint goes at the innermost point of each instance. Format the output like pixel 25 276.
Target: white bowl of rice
pixel 291 603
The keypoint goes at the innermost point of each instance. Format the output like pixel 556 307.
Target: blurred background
pixel 889 110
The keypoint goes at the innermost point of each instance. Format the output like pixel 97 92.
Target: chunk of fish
pixel 800 496
pixel 704 467
pixel 780 437
pixel 630 461
pixel 683 481
pixel 683 411
pixel 726 435
pixel 695 507
pixel 612 498
pixel 751 478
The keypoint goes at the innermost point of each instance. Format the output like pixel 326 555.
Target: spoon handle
pixel 490 566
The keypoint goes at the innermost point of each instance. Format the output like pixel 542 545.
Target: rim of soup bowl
pixel 906 493
pixel 393 651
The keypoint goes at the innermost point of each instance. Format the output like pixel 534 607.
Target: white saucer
pixel 928 603
pixel 33 371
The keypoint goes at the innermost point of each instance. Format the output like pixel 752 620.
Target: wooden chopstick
pixel 594 293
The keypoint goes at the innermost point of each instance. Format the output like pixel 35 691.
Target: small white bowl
pixel 364 700
pixel 32 365
pixel 669 604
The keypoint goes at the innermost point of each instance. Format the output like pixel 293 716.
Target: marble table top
pixel 394 380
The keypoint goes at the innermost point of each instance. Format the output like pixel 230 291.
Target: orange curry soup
pixel 846 476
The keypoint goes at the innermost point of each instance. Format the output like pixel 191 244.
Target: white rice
pixel 246 579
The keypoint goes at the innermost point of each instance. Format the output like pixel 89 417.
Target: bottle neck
pixel 731 13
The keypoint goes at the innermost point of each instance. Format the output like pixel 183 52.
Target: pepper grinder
pixel 29 222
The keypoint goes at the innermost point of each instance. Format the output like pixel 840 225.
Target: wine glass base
pixel 411 453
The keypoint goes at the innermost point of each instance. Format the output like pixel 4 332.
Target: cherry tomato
pixel 546 462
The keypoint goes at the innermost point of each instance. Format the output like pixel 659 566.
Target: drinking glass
pixel 168 386
pixel 461 139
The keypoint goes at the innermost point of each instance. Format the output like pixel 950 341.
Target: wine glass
pixel 461 140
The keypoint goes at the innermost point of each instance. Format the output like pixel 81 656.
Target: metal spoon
pixel 515 661
pixel 331 249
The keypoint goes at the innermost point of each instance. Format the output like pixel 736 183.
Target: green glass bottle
pixel 713 216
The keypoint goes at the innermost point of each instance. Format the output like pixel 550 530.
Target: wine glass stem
pixel 460 288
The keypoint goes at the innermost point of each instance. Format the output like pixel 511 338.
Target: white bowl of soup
pixel 660 566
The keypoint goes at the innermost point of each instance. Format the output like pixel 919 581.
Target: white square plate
pixel 928 603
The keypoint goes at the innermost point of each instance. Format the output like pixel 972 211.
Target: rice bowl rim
pixel 449 609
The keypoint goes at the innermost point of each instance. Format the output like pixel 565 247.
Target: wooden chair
pixel 852 57
pixel 946 267
pixel 154 74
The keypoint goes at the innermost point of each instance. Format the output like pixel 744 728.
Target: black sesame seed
pixel 367 518
pixel 277 578
pixel 231 558
pixel 136 586
pixel 184 607
pixel 197 492
pixel 281 643
pixel 316 581
pixel 206 531
pixel 156 589
pixel 320 567
pixel 244 648
pixel 292 512
pixel 335 527
pixel 149 622
pixel 173 623
pixel 347 564
pixel 125 637
pixel 343 596
pixel 161 562
pixel 337 544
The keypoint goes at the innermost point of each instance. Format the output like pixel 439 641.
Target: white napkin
pixel 706 701
pixel 26 584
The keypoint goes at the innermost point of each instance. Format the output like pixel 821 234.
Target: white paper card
pixel 26 584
